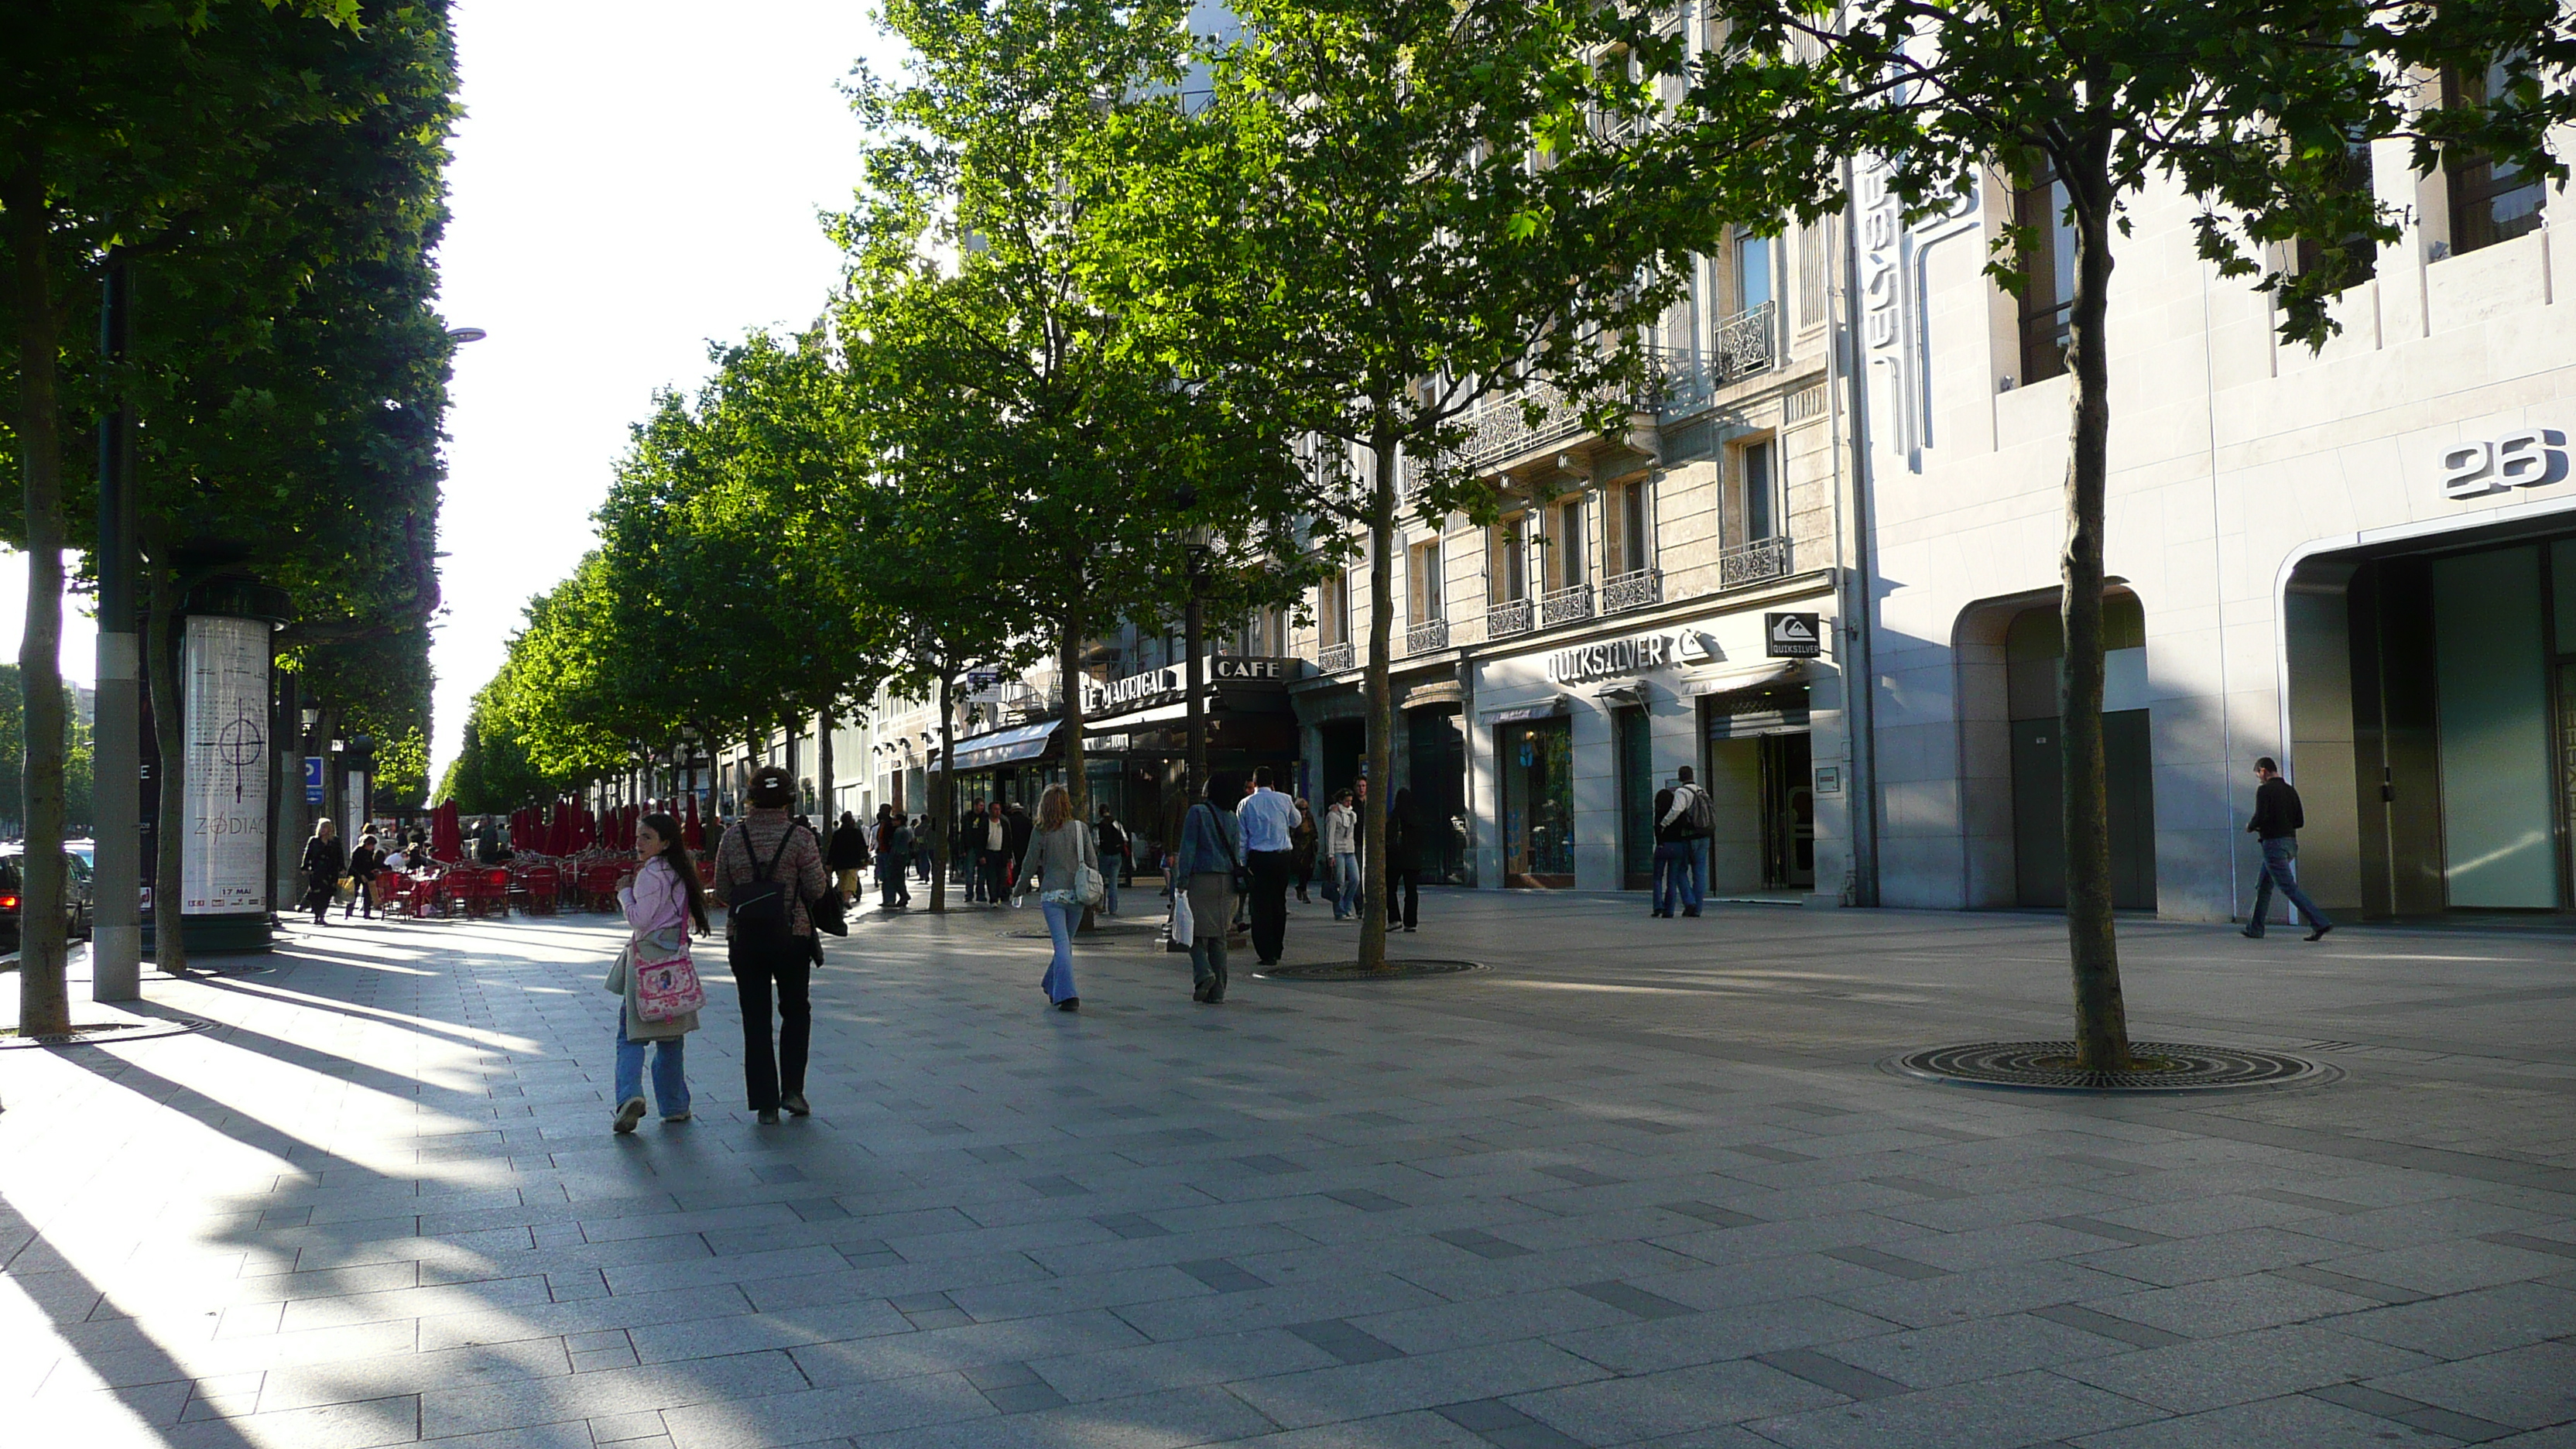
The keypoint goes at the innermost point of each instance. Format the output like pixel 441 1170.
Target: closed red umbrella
pixel 446 835
pixel 691 835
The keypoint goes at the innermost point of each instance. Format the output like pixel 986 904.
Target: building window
pixel 1333 610
pixel 1811 273
pixel 1752 271
pixel 1566 540
pixel 1761 492
pixel 1507 560
pixel 1422 581
pixel 1628 527
pixel 2491 201
pixel 2047 277
pixel 2308 254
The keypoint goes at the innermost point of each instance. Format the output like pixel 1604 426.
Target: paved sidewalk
pixel 1641 1183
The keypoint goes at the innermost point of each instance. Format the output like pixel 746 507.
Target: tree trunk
pixel 170 737
pixel 823 770
pixel 2101 1021
pixel 1381 711
pixel 942 792
pixel 44 1001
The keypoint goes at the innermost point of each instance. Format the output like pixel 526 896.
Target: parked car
pixel 76 895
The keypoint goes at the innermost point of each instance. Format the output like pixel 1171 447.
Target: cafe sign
pixel 1171 682
pixel 1635 654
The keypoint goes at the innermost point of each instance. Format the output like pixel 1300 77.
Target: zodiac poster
pixel 224 856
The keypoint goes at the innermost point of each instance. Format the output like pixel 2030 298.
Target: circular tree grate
pixel 2049 1066
pixel 1353 971
pixel 103 1033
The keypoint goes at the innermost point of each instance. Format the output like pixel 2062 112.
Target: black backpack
pixel 759 906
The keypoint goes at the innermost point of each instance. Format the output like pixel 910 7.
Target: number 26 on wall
pixel 2526 459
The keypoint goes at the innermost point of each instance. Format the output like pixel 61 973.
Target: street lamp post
pixel 116 804
pixel 1196 544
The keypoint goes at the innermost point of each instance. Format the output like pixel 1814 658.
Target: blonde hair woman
pixel 1059 848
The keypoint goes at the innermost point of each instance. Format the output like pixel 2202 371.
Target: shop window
pixel 1507 560
pixel 1422 581
pixel 2491 201
pixel 2047 277
pixel 1628 526
pixel 1761 491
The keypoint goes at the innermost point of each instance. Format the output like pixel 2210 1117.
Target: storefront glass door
pixel 1636 799
pixel 1537 768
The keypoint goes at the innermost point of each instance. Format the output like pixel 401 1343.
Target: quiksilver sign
pixel 1614 657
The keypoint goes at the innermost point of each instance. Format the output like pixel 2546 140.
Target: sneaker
pixel 629 1112
pixel 677 1116
pixel 796 1105
pixel 769 1117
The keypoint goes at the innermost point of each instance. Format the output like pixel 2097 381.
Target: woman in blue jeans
pixel 663 902
pixel 1059 847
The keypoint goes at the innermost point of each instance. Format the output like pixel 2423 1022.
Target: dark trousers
pixel 1411 880
pixel 789 964
pixel 1269 904
pixel 988 874
pixel 317 896
pixel 2281 868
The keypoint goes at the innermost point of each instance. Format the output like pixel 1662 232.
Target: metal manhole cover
pixel 1353 971
pixel 2049 1066
pixel 105 1033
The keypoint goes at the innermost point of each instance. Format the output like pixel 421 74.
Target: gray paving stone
pixel 2213 1373
pixel 2532 1387
pixel 2019 1409
pixel 2295 1419
pixel 1986 1348
pixel 2467 1325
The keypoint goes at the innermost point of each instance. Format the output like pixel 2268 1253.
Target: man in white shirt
pixel 1267 818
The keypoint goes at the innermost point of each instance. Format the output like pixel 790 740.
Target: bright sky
pixel 633 178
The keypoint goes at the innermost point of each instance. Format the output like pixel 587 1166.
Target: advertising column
pixel 224 851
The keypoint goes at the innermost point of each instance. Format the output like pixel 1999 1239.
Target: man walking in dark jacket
pixel 2276 823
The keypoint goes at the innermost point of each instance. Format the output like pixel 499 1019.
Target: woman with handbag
pixel 324 860
pixel 654 978
pixel 1206 866
pixel 1062 868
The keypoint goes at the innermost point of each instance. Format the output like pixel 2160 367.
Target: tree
pixel 137 128
pixel 2248 107
pixel 987 184
pixel 1392 213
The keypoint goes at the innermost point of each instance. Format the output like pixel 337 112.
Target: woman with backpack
pixel 767 868
pixel 662 904
pixel 1060 849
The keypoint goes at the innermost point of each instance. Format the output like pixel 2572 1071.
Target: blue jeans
pixel 1110 865
pixel 670 1072
pixel 1061 919
pixel 1695 885
pixel 2280 863
pixel 1346 881
pixel 1672 860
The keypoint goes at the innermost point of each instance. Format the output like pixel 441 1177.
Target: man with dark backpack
pixel 1684 822
pixel 768 869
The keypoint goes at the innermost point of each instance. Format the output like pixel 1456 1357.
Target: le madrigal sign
pixel 1171 682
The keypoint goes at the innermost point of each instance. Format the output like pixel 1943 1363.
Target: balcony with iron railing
pixel 1757 562
pixel 1503 620
pixel 1635 589
pixel 1679 381
pixel 1428 637
pixel 1334 658
pixel 1565 606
